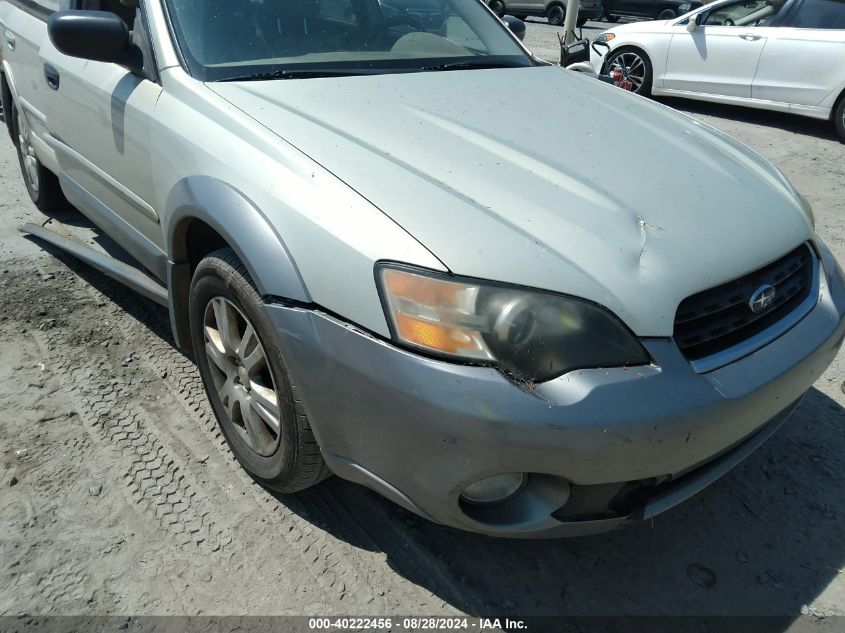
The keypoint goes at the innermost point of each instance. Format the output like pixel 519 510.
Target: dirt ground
pixel 118 495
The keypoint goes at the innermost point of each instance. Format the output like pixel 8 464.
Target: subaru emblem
pixel 762 299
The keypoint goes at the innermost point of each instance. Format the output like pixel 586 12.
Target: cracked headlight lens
pixel 529 334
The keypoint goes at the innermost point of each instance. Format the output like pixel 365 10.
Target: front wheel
pixel 634 65
pixel 498 7
pixel 667 14
pixel 41 184
pixel 556 15
pixel 245 378
pixel 839 118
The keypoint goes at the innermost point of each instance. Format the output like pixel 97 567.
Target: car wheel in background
pixel 635 65
pixel 41 184
pixel 556 15
pixel 245 378
pixel 839 118
pixel 497 7
pixel 666 14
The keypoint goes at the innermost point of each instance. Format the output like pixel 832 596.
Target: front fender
pixel 244 228
pixel 242 225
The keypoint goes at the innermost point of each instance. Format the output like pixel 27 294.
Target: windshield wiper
pixel 474 65
pixel 296 74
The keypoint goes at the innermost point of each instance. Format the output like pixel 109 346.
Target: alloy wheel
pixel 632 67
pixel 242 376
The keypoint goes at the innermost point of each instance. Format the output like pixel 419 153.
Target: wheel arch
pixel 836 103
pixel 205 214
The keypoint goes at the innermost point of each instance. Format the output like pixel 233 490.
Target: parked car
pixel 507 317
pixel 784 55
pixel 648 9
pixel 430 15
pixel 553 10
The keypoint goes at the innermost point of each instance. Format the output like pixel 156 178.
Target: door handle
pixel 51 75
pixel 751 38
pixel 10 40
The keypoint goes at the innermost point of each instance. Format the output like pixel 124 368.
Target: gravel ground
pixel 118 496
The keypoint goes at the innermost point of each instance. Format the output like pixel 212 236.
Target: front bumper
pixel 419 430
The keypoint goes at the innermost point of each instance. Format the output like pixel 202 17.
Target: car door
pixel 24 32
pixel 635 7
pixel 531 7
pixel 99 118
pixel 719 57
pixel 803 58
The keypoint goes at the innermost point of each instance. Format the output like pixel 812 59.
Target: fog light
pixel 494 489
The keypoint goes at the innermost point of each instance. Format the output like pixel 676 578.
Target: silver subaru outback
pixel 524 317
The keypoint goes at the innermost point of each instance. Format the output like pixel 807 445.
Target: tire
pixel 556 15
pixel 666 14
pixel 41 184
pixel 497 7
pixel 641 72
pixel 277 447
pixel 839 118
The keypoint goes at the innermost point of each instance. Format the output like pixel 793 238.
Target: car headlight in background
pixel 529 334
pixel 604 38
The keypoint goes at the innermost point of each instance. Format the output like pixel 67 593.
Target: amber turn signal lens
pixel 428 313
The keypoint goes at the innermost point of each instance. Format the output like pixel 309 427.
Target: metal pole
pixel 570 21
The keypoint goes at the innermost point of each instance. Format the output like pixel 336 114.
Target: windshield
pixel 263 39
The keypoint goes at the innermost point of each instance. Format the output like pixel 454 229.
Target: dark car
pixel 553 10
pixel 649 9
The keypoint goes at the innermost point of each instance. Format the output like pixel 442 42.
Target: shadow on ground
pixel 765 540
pixel 765 118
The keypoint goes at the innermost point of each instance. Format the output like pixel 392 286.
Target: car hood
pixel 544 178
pixel 644 26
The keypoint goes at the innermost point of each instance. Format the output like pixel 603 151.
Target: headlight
pixel 604 38
pixel 530 334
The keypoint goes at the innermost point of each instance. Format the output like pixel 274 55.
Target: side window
pixel 745 13
pixel 819 14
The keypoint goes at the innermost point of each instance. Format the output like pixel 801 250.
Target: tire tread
pixel 310 468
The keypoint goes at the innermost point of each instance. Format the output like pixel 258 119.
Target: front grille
pixel 720 318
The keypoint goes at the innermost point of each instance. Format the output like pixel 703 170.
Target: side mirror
pixel 516 25
pixel 100 36
pixel 694 22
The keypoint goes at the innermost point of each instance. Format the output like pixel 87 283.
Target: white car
pixel 785 55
